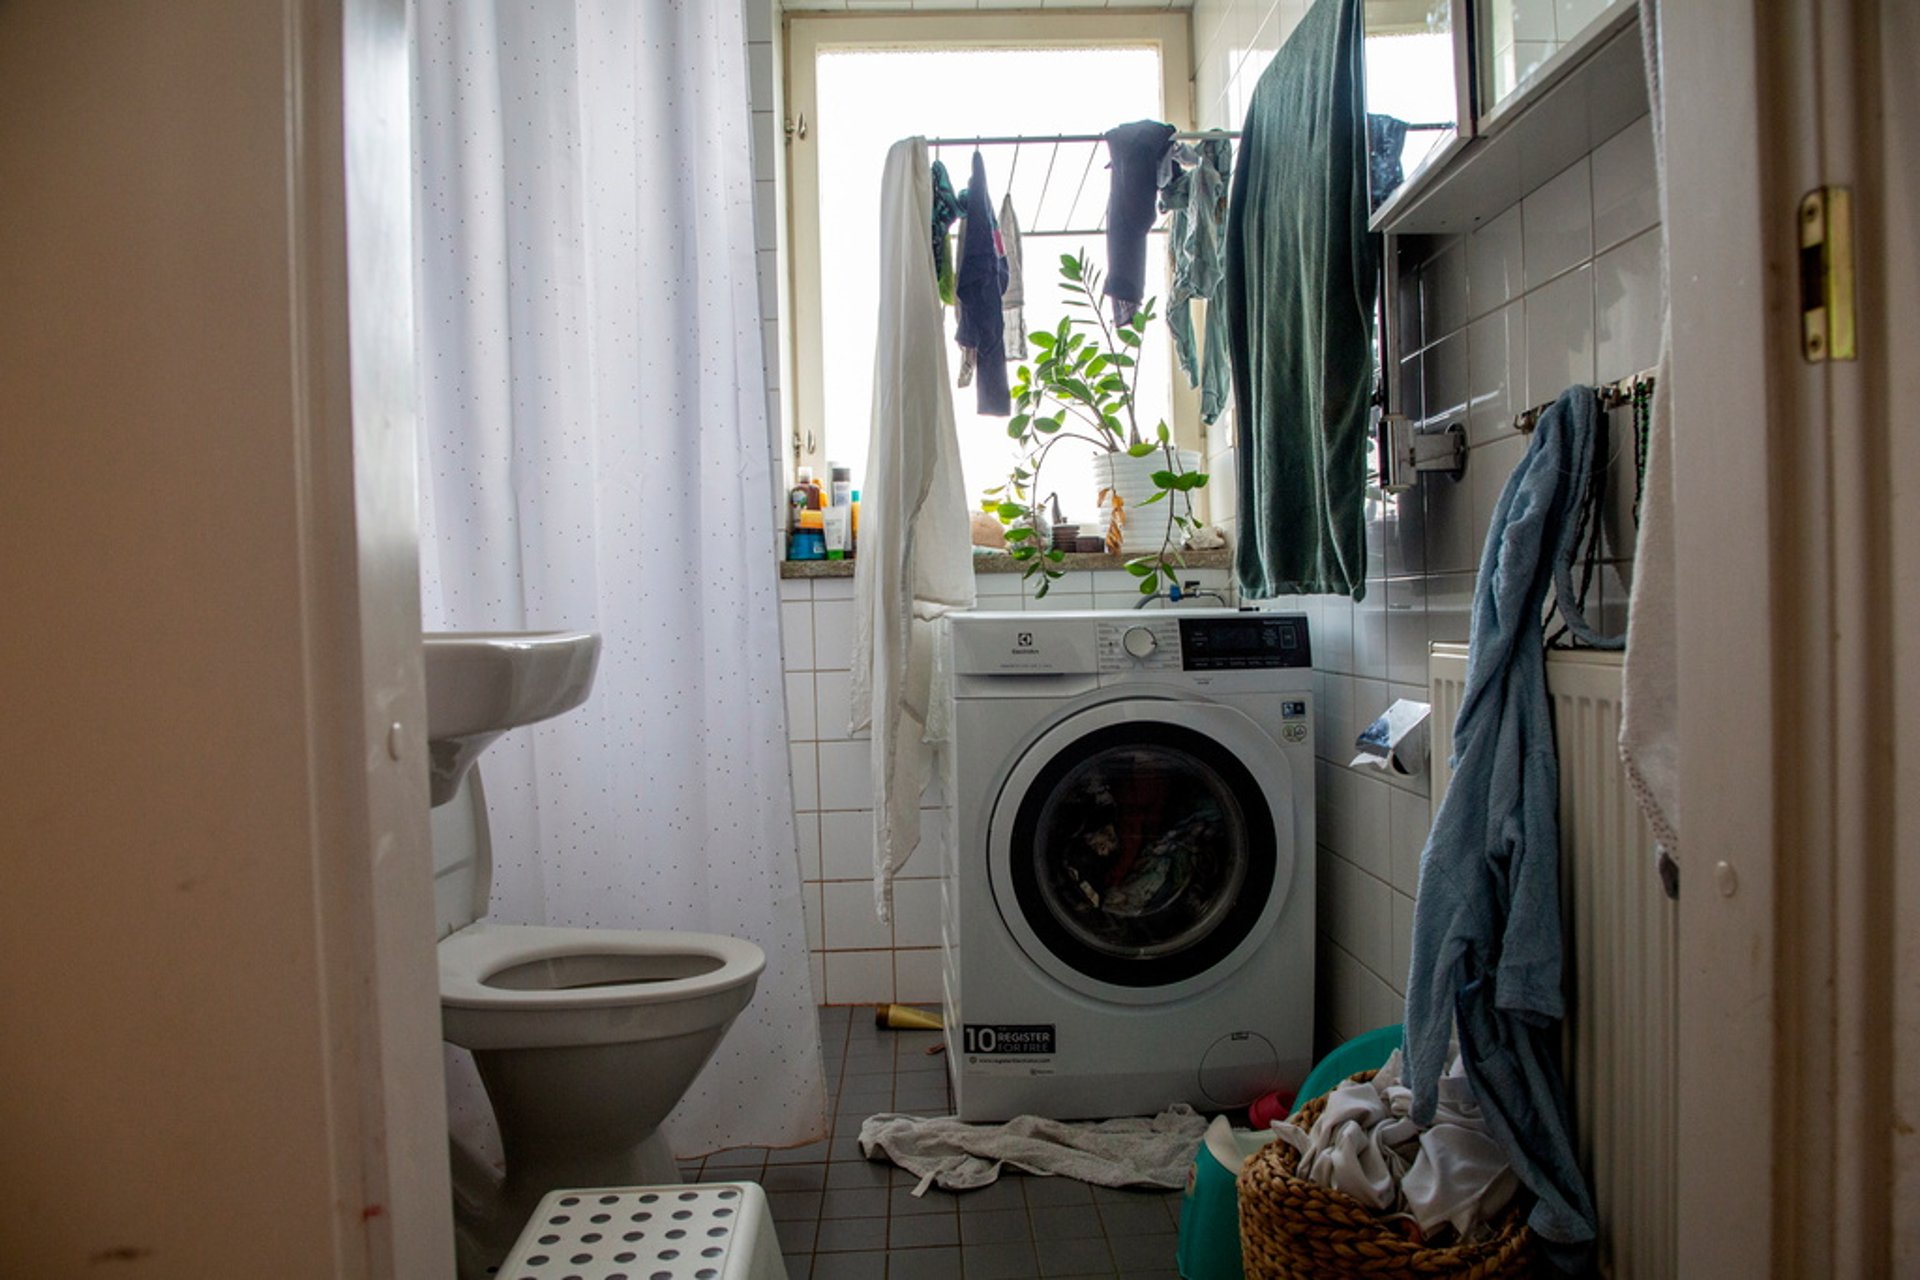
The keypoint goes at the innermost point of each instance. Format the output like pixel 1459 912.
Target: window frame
pixel 805 439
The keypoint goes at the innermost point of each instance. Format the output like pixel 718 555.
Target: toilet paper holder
pixel 1396 741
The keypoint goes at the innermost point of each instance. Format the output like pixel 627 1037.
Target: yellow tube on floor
pixel 904 1017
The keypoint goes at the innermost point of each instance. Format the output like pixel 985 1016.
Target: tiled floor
pixel 841 1217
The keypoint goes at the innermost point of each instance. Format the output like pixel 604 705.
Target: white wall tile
pixel 804 761
pixel 1408 823
pixel 1330 633
pixel 916 913
pixel 846 845
pixel 1370 633
pixel 1494 272
pixel 1357 999
pixel 810 907
pixel 1356 911
pixel 850 920
pixel 846 777
pixel 1496 373
pixel 795 589
pixel 759 15
pixel 1443 291
pixel 1407 630
pixel 1371 698
pixel 806 833
pixel 796 634
pixel 1354 824
pixel 1449 608
pixel 1627 289
pixel 1403 534
pixel 916 978
pixel 1333 714
pixel 833 701
pixel 800 705
pixel 1402 959
pixel 1626 191
pixel 859 977
pixel 1557 225
pixel 1559 336
pixel 1487 470
pixel 832 632
pixel 833 588
pixel 1449 520
pixel 1444 373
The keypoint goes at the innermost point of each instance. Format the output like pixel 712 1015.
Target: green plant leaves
pixel 1140 450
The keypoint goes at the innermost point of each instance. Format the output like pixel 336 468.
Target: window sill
pixel 1000 562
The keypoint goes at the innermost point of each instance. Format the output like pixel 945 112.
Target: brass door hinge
pixel 1826 275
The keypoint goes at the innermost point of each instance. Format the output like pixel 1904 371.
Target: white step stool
pixel 693 1231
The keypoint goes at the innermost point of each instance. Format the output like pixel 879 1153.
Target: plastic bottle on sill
pixel 853 544
pixel 841 490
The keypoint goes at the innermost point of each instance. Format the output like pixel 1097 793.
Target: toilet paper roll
pixel 1397 740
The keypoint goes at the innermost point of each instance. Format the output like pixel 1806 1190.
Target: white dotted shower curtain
pixel 594 454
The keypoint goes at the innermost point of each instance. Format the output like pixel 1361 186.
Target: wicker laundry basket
pixel 1293 1229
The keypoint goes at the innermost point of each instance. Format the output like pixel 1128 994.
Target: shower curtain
pixel 594 454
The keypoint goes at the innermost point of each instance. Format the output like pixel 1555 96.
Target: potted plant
pixel 1081 387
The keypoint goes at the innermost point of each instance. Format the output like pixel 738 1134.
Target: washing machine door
pixel 1143 849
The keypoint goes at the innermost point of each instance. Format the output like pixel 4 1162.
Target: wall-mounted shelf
pixel 1583 95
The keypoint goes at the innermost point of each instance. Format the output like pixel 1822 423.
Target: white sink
pixel 482 683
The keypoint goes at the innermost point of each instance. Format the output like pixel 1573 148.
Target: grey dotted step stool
pixel 696 1231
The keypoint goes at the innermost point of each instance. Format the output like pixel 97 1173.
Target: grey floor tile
pixel 1048 1192
pixel 811 1153
pixel 1073 1257
pixel 854 1202
pixel 920 1230
pixel 1004 1194
pixel 1146 1255
pixel 995 1226
pixel 923 1264
pixel 1066 1222
pixel 901 1202
pixel 870 1265
pixel 846 1235
pixel 859 1173
pixel 796 1206
pixel 1010 1261
pixel 796 1236
pixel 737 1157
pixel 1147 1218
pixel 794 1177
pixel 799 1266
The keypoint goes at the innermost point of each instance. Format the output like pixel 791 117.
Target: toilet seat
pixel 705 979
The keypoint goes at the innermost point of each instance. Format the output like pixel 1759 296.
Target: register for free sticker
pixel 998 1039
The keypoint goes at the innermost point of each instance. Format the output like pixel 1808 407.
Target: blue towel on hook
pixel 1486 925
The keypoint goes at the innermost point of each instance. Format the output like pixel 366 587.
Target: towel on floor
pixel 1300 287
pixel 1154 1152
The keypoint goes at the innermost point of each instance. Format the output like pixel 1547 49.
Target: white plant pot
pixel 1132 478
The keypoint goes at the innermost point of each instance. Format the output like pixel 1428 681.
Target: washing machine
pixel 1128 877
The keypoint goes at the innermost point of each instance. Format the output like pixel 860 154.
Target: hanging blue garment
pixel 946 207
pixel 1486 924
pixel 1196 240
pixel 980 285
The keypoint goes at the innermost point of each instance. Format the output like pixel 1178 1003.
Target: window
pixel 863 84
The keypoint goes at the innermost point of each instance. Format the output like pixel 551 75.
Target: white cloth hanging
pixel 1650 678
pixel 916 559
pixel 593 454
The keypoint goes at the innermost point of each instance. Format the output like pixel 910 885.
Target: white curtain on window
pixel 594 454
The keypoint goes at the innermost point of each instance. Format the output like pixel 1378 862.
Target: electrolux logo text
pixel 1023 642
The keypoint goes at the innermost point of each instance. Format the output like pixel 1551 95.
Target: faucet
pixel 1177 592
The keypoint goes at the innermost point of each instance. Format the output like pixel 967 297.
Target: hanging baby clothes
pixel 946 207
pixel 1133 153
pixel 980 282
pixel 1195 192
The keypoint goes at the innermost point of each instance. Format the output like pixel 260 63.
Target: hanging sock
pixel 1133 156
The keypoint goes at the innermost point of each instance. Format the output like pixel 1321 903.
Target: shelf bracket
pixel 1406 451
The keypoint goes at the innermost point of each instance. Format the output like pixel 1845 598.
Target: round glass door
pixel 1142 853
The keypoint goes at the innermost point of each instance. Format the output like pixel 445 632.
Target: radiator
pixel 1621 951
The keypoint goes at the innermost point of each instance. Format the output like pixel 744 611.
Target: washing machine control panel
pixel 1248 642
pixel 1139 643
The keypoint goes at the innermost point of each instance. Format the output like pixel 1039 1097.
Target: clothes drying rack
pixel 1053 143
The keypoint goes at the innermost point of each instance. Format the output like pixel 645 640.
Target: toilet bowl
pixel 584 1038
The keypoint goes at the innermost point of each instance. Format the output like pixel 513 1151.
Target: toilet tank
pixel 462 857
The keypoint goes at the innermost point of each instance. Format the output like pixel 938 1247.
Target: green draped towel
pixel 1301 280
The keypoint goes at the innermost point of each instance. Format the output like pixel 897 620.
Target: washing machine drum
pixel 1143 845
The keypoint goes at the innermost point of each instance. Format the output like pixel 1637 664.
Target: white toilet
pixel 584 1038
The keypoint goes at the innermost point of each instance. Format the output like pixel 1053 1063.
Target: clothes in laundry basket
pixel 1154 1152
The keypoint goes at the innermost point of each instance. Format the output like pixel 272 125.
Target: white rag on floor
pixel 916 557
pixel 1366 1145
pixel 1154 1152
